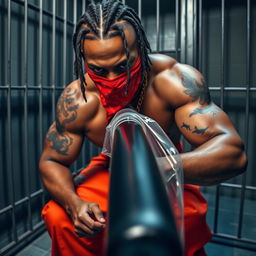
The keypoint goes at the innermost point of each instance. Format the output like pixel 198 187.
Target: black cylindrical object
pixel 140 220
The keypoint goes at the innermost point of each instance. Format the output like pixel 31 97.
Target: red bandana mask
pixel 113 92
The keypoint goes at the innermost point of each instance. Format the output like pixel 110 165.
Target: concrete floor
pixel 41 247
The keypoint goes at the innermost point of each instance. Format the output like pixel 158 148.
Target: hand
pixel 87 218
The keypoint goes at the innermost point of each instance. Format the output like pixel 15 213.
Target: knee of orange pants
pixel 65 242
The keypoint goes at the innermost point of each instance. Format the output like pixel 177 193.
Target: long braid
pixel 100 19
pixel 79 60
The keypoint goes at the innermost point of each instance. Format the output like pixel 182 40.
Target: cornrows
pixel 101 19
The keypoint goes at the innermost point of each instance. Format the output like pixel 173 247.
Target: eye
pixel 97 70
pixel 121 68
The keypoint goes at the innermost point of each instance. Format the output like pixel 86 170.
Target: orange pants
pixel 95 189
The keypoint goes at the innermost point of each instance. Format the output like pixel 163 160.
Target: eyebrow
pixel 123 62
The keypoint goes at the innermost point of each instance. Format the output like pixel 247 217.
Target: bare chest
pixel 152 107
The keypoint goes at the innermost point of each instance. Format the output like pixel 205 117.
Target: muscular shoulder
pixel 161 62
pixel 72 111
pixel 178 84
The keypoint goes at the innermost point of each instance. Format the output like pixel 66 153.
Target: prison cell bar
pixel 200 39
pixel 248 60
pixel 65 45
pixel 195 33
pixel 177 29
pixel 9 124
pixel 36 8
pixel 40 52
pixel 211 88
pixel 217 196
pixel 139 8
pixel 83 6
pixel 53 60
pixel 74 22
pixel 25 132
pixel 32 231
pixel 157 25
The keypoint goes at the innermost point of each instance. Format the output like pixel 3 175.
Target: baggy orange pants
pixel 95 189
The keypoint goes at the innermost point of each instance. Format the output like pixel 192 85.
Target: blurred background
pixel 217 37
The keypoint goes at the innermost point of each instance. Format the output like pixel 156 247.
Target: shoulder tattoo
pixel 210 109
pixel 66 111
pixel 196 90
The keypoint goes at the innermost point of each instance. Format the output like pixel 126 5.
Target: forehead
pixel 102 49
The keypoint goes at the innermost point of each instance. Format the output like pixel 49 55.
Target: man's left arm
pixel 219 151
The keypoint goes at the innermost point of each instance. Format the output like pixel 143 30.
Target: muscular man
pixel 111 46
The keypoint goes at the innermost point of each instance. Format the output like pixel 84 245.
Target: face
pixel 106 57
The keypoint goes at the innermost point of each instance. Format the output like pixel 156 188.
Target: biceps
pixel 64 147
pixel 199 124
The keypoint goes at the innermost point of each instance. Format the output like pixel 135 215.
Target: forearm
pixel 58 180
pixel 218 159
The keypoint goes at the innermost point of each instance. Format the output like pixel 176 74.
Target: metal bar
pixel 195 32
pixel 24 199
pixel 6 209
pixel 222 52
pixel 248 60
pixel 40 75
pixel 237 186
pixel 46 13
pixel 235 89
pixel 31 87
pixel 74 17
pixel 213 88
pixel 9 123
pixel 53 82
pixel 83 6
pixel 65 44
pixel 216 212
pixel 177 30
pixel 157 25
pixel 25 145
pixel 139 8
pixel 74 21
pixel 40 86
pixel 200 35
pixel 183 32
pixel 233 241
pixel 83 155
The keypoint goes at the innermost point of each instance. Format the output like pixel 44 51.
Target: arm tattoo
pixel 60 143
pixel 200 131
pixel 196 130
pixel 66 112
pixel 195 90
pixel 209 109
pixel 186 126
pixel 66 109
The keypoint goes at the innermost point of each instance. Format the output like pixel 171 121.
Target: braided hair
pixel 101 20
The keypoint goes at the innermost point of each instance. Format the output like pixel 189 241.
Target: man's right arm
pixel 60 150
pixel 62 147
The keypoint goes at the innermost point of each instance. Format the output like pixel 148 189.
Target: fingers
pixel 90 222
pixel 84 231
pixel 97 212
pixel 85 225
